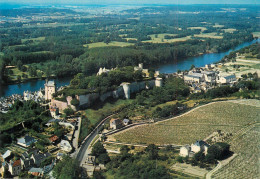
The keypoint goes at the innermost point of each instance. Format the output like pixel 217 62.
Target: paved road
pixel 83 152
pixel 76 134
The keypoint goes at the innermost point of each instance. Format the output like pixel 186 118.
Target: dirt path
pixel 220 165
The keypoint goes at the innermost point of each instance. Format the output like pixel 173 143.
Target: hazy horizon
pixel 122 2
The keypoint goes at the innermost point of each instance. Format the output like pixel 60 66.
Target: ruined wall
pixel 59 104
pixel 124 90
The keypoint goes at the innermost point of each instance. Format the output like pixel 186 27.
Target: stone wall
pixel 59 104
pixel 123 91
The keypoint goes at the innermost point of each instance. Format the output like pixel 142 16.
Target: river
pixel 183 64
pixel 199 61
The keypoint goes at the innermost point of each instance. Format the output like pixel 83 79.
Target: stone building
pixel 50 89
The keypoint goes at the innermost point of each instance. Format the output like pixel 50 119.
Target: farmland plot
pixel 197 124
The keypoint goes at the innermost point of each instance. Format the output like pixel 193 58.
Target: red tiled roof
pixel 17 163
pixel 53 138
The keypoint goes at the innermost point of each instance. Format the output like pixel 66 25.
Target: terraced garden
pixel 196 124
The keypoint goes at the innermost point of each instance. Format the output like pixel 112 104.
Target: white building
pixel 65 146
pixel 103 70
pixel 210 76
pixel 226 79
pixel 198 146
pixel 194 77
pixel 185 151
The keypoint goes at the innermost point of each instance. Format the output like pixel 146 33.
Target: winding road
pixel 83 149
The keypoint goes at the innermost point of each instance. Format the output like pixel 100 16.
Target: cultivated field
pixel 194 125
pixel 34 39
pixel 212 35
pixel 201 28
pixel 102 44
pixel 256 34
pixel 230 30
pixel 246 164
pixel 160 39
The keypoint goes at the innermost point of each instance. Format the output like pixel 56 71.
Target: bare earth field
pixel 230 116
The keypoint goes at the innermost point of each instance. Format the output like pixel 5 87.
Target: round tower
pixel 141 65
pixel 126 89
pixel 158 82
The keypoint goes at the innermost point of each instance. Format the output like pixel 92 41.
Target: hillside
pixel 199 123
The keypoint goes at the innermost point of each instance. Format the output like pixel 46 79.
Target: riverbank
pixel 182 64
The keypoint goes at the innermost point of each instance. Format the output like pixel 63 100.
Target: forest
pixel 59 47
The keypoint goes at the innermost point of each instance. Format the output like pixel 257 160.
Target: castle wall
pixel 125 90
pixel 59 104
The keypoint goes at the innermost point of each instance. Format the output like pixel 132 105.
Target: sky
pixel 77 2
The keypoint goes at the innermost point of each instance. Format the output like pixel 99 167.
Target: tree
pixel 74 102
pixel 67 168
pixel 68 111
pixel 98 149
pixel 103 158
pixel 19 78
pixel 124 149
pixel 219 150
pixel 152 151
pixel 192 66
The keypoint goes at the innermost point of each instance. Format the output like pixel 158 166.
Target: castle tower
pixel 158 82
pixel 50 88
pixel 141 65
pixel 126 90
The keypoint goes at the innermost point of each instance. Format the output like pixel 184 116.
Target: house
pixel 7 155
pixel 39 157
pixel 210 76
pixel 226 79
pixel 102 70
pixel 126 122
pixel 38 172
pixel 26 141
pixel 65 146
pixel 48 168
pixel 194 77
pixel 185 150
pixel 51 122
pixel 26 163
pixel 15 167
pixel 115 124
pixel 54 139
pixel 199 145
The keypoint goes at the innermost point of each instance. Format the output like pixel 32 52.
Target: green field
pixel 212 35
pixel 160 39
pixel 198 124
pixel 102 44
pixel 34 39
